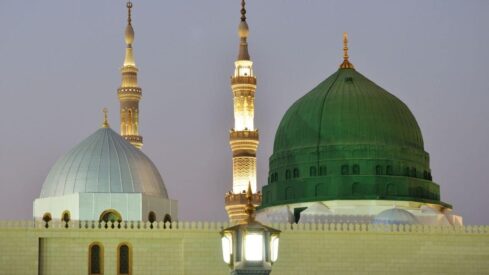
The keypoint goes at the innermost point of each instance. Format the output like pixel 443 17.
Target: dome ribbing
pixel 349 139
pixel 104 163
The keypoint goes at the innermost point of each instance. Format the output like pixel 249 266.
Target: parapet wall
pixel 217 226
pixel 194 248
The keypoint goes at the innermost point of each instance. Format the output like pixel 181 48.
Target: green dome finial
pixel 346 63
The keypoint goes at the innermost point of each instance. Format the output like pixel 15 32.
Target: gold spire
pixel 250 208
pixel 129 7
pixel 243 11
pixel 243 32
pixel 105 124
pixel 129 37
pixel 346 63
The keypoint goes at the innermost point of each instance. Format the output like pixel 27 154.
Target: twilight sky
pixel 61 59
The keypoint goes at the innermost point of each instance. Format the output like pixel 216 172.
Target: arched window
pixel 312 171
pixel 378 170
pixel 151 216
pixel 388 170
pixel 356 169
pixel 46 218
pixel 345 170
pixel 110 216
pixel 296 172
pixel 287 174
pixel 276 176
pixel 66 217
pixel 95 259
pixel 124 261
pixel 167 218
pixel 323 171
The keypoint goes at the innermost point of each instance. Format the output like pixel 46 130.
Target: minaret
pixel 129 92
pixel 244 136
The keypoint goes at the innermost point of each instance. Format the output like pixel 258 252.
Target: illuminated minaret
pixel 129 92
pixel 244 136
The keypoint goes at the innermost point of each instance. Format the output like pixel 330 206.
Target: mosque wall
pixel 194 248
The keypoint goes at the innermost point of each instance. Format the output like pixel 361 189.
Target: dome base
pixel 91 206
pixel 356 211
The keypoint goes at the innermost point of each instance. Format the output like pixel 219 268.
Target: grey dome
pixel 104 163
pixel 395 216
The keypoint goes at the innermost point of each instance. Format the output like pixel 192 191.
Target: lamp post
pixel 250 247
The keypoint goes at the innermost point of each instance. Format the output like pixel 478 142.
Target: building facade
pixel 349 186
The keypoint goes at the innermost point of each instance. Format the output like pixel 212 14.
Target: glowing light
pixel 254 247
pixel 227 245
pixel 274 246
pixel 244 172
pixel 243 68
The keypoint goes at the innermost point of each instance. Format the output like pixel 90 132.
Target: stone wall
pixel 194 248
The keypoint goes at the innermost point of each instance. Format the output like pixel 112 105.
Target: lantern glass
pixel 274 246
pixel 227 246
pixel 254 247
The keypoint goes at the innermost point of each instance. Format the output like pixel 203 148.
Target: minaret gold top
pixel 243 32
pixel 129 92
pixel 129 37
pixel 105 124
pixel 346 63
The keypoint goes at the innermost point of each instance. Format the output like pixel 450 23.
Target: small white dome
pixel 104 163
pixel 395 216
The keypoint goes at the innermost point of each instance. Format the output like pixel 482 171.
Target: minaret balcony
pixel 133 139
pixel 243 80
pixel 240 199
pixel 243 135
pixel 129 93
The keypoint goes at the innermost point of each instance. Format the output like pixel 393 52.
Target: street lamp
pixel 250 247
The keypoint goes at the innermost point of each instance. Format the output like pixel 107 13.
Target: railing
pixel 217 226
pixel 243 135
pixel 243 80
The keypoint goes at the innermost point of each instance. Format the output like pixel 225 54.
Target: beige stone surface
pixel 194 248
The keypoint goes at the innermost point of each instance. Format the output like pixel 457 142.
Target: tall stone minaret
pixel 244 136
pixel 129 92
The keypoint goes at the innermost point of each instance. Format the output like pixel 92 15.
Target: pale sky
pixel 61 59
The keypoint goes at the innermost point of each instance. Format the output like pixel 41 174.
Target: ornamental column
pixel 244 136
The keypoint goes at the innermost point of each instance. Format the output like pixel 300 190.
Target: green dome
pixel 349 139
pixel 347 108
